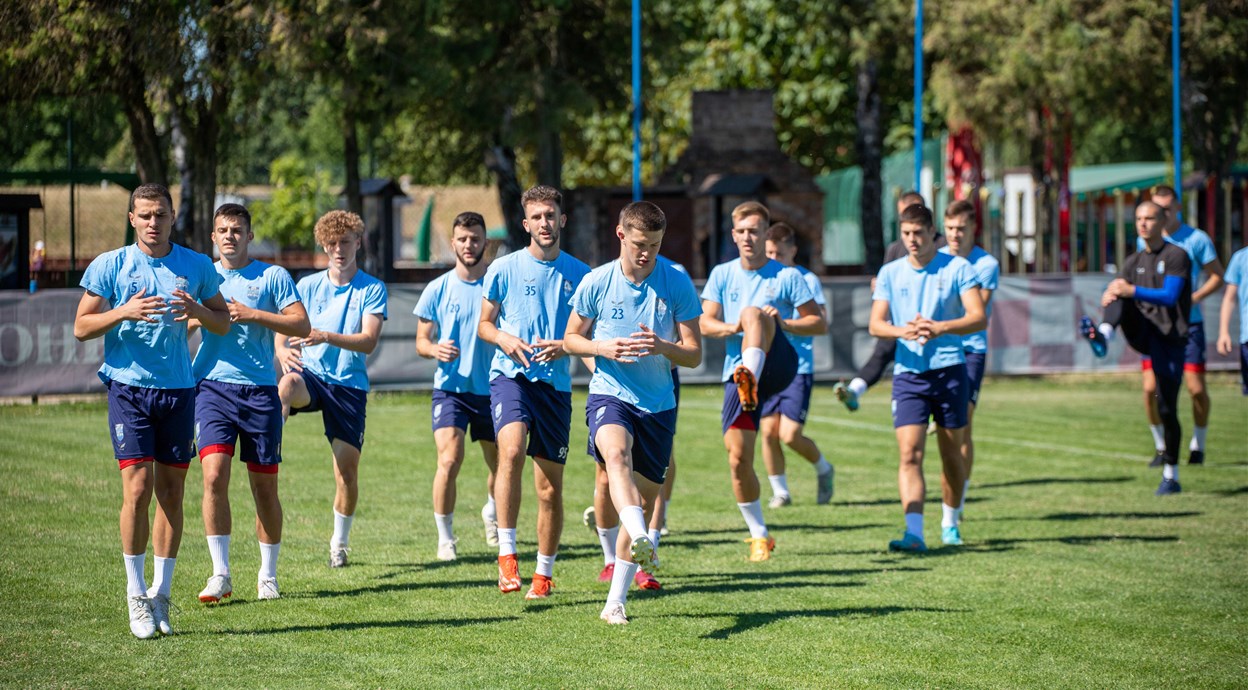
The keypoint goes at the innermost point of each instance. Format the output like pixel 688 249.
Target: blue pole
pixel 636 100
pixel 1174 102
pixel 918 92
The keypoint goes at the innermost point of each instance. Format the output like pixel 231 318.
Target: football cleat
pixel 644 555
pixel 1168 487
pixel 761 548
pixel 909 543
pixel 1158 460
pixel 846 396
pixel 780 501
pixel 266 589
pixel 588 519
pixel 337 556
pixel 823 484
pixel 645 580
pixel 608 571
pixel 491 526
pixel 508 574
pixel 1196 458
pixel 1089 332
pixel 951 536
pixel 160 612
pixel 540 587
pixel 614 614
pixel 446 550
pixel 218 588
pixel 141 623
pixel 747 387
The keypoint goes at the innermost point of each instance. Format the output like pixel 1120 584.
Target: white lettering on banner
pixel 43 341
pixel 25 344
pixel 50 345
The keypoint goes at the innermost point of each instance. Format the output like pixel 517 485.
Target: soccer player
pixel 1151 300
pixel 784 415
pixel 960 230
pixel 745 301
pixel 1203 256
pixel 449 311
pixel 885 349
pixel 524 312
pixel 325 371
pixel 140 297
pixel 1236 274
pixel 236 400
pixel 927 301
pixel 636 317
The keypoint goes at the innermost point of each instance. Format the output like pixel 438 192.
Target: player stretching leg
pixel 449 310
pixel 524 312
pixel 326 370
pixel 743 301
pixel 139 298
pixel 236 400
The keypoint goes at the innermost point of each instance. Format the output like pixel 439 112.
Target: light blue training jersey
pixel 805 344
pixel 987 272
pixel 617 306
pixel 935 291
pixel 1237 275
pixel 138 353
pixel 1200 250
pixel 455 306
pixel 340 309
pixel 534 302
pixel 734 287
pixel 245 355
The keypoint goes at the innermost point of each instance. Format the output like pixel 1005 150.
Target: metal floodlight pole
pixel 918 94
pixel 1174 103
pixel 636 100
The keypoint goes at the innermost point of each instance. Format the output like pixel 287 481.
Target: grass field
pixel 1074 574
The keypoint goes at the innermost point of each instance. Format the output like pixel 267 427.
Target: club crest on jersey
pixel 567 287
pixel 253 292
pixel 181 283
pixel 660 309
pixel 770 293
pixel 1161 266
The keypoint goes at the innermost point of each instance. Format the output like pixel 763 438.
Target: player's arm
pixel 291 321
pixel 1229 301
pixel 985 295
pixel 364 342
pixel 880 327
pixel 213 313
pixel 971 321
pixel 1213 283
pixel 810 320
pixel 488 331
pixel 577 341
pixel 711 323
pixel 427 345
pixel 94 318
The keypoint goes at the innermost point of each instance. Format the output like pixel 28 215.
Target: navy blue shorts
pixel 1243 366
pixel 652 433
pixel 545 411
pixel 342 409
pixel 792 402
pixel 1194 358
pixel 151 424
pixel 975 362
pixel 779 369
pixel 464 411
pixel 676 390
pixel 232 414
pixel 940 394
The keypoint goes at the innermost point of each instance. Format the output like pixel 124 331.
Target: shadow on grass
pixel 745 622
pixel 1088 540
pixel 778 525
pixel 437 623
pixel 770 577
pixel 393 587
pixel 933 499
pixel 1072 517
pixel 1054 480
pixel 1231 492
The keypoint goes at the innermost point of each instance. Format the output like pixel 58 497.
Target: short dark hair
pixel 917 214
pixel 1166 191
pixel 961 207
pixel 468 219
pixel 910 198
pixel 232 211
pixel 541 193
pixel 151 192
pixel 782 232
pixel 644 216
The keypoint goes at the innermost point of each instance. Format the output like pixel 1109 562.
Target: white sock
pixel 966 486
pixel 136 585
pixel 779 484
pixel 445 531
pixel 753 514
pixel 654 535
pixel 634 521
pixel 162 576
pixel 342 530
pixel 491 508
pixel 858 387
pixel 506 541
pixel 753 359
pixel 914 524
pixel 1107 331
pixel 823 466
pixel 268 560
pixel 1198 438
pixel 607 536
pixel 1167 472
pixel 219 550
pixel 621 580
pixel 546 565
pixel 1159 436
pixel 948 515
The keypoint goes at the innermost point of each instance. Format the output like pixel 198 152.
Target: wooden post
pixel 1120 229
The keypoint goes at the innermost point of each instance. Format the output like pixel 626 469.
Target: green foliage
pixel 301 194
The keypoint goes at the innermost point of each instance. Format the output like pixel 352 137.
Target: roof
pixel 1125 177
pixel 737 185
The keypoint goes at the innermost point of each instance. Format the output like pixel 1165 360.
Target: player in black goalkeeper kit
pixel 1150 301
